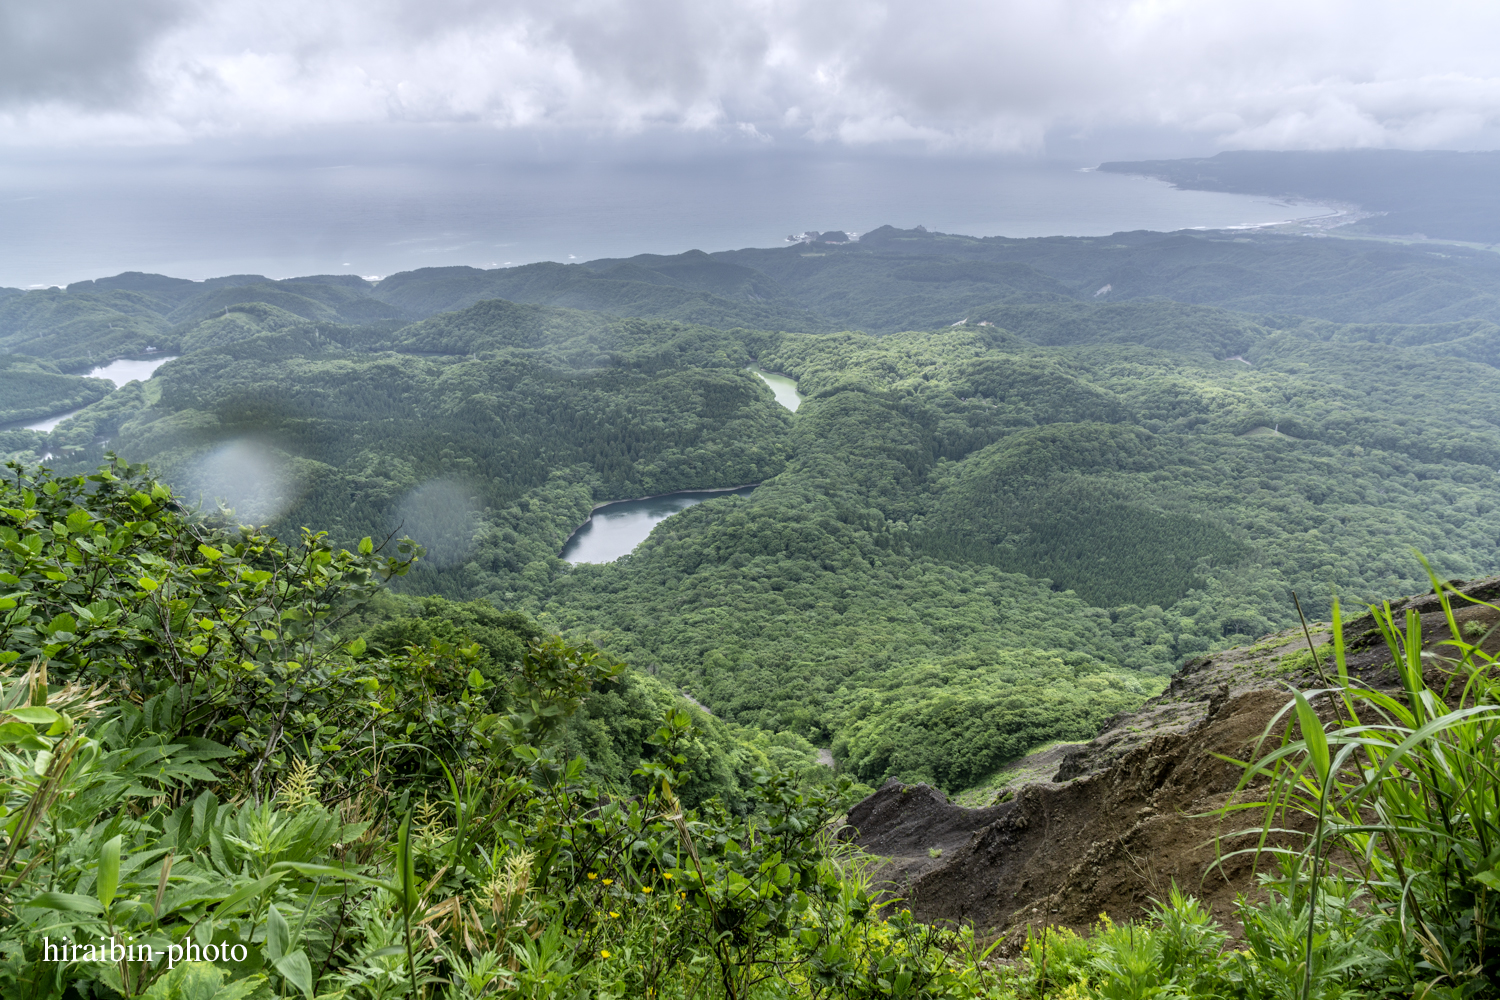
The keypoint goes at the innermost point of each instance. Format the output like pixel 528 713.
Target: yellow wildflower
pixel 645 888
pixel 604 954
pixel 593 874
pixel 612 913
pixel 609 881
pixel 666 875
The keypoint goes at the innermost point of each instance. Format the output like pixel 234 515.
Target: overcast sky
pixel 960 75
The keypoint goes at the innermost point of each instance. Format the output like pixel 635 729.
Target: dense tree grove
pixel 965 542
pixel 30 389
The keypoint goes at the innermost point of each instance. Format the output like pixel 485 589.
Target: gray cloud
pixel 977 74
pixel 89 53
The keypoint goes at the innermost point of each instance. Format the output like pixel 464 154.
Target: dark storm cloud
pixel 86 52
pixel 987 74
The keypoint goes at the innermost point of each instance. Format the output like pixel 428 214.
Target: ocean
pixel 196 216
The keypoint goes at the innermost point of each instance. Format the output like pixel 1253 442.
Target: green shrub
pixel 1403 796
pixel 199 762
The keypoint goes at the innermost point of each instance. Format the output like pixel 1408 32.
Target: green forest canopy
pixel 967 542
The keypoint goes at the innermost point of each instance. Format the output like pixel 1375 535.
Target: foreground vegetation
pixel 227 745
pixel 197 752
pixel 202 764
pixel 1378 808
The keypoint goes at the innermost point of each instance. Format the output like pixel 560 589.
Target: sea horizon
pixel 381 218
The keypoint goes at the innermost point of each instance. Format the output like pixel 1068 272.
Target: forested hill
pixel 889 280
pixel 993 532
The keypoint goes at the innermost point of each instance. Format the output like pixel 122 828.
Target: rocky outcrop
pixel 1137 808
pixel 1111 841
pixel 1063 852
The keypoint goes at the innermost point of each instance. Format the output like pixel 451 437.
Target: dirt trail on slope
pixel 1124 816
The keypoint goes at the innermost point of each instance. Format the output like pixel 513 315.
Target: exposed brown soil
pixel 1062 853
pixel 1109 842
pixel 1131 811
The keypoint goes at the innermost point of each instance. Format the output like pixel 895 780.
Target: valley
pixel 994 508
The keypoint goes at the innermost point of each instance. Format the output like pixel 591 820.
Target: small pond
pixel 615 529
pixel 130 370
pixel 783 387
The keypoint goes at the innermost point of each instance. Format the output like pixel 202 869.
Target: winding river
pixel 615 529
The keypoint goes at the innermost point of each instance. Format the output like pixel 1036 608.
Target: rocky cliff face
pixel 1135 809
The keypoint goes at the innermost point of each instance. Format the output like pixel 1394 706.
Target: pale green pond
pixel 784 388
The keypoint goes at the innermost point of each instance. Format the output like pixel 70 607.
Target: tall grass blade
pixel 1403 795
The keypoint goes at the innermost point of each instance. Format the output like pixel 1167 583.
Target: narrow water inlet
pixel 615 529
pixel 119 372
pixel 784 387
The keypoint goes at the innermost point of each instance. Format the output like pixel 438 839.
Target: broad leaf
pixel 297 970
pixel 109 871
